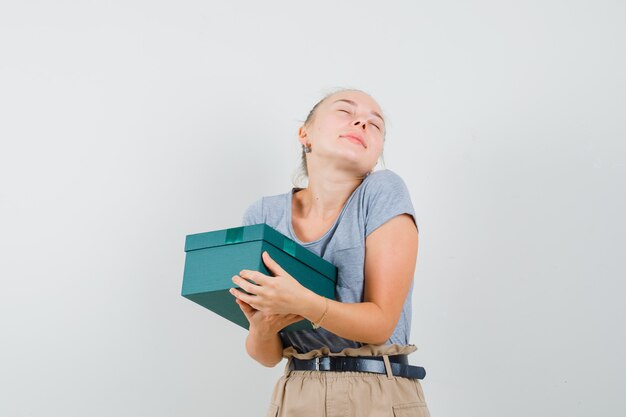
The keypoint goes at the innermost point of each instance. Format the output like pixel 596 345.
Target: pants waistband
pixel 394 365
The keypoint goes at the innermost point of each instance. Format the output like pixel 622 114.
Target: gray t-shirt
pixel 381 196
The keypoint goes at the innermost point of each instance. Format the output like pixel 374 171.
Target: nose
pixel 357 122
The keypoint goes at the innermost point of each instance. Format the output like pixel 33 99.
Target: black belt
pixel 399 365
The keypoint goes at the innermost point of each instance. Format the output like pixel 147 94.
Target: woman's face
pixel 347 130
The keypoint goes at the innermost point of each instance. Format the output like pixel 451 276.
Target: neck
pixel 325 195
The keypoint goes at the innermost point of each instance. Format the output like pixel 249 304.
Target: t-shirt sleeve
pixel 387 196
pixel 253 214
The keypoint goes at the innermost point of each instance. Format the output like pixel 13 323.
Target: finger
pixel 272 265
pixel 244 310
pixel 248 286
pixel 244 306
pixel 247 310
pixel 249 299
pixel 256 276
pixel 294 320
pixel 241 303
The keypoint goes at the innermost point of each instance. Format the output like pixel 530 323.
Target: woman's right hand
pixel 266 324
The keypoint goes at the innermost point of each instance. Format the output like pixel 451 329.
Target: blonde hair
pixel 302 172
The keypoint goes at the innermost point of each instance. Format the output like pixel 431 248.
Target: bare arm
pixel 267 349
pixel 390 258
pixel 263 343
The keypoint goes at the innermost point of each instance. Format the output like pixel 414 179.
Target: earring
pixel 306 148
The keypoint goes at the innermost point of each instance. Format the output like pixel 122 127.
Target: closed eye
pixel 374 124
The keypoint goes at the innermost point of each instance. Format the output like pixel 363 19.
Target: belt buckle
pixel 317 363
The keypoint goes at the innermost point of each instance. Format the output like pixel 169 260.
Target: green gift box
pixel 213 258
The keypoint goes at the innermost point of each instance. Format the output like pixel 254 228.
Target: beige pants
pixel 347 393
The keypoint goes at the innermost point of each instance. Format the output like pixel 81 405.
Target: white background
pixel 126 125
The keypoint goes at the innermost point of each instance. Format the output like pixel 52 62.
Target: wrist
pixel 317 324
pixel 314 308
pixel 261 334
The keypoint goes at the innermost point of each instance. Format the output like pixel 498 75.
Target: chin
pixel 357 168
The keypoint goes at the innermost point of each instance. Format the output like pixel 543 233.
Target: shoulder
pixel 258 210
pixel 384 197
pixel 253 213
pixel 256 205
pixel 385 181
pixel 268 200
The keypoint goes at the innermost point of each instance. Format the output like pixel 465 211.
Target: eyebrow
pixel 375 113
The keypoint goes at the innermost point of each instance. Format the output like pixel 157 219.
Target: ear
pixel 302 134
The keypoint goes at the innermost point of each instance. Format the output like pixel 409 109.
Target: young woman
pixel 354 361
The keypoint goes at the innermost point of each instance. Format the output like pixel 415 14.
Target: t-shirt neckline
pixel 289 200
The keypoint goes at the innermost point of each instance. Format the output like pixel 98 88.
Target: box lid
pixel 265 232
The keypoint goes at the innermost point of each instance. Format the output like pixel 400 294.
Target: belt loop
pixel 387 367
pixel 287 371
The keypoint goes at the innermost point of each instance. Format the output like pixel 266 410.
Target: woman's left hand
pixel 280 294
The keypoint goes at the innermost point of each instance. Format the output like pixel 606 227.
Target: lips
pixel 355 137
